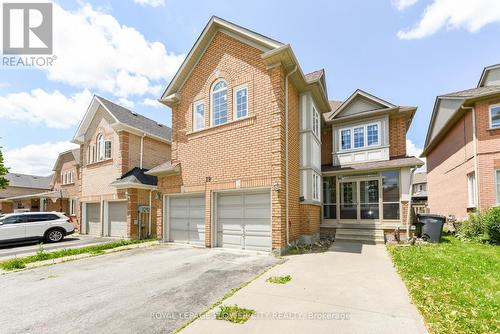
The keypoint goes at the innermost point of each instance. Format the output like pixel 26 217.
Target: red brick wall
pixel 397 136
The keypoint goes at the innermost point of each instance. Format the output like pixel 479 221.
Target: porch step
pixel 360 234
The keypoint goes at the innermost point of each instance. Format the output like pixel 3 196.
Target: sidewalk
pixel 352 288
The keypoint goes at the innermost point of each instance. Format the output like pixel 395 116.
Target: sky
pixel 403 51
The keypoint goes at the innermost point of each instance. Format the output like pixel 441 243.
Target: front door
pixel 359 200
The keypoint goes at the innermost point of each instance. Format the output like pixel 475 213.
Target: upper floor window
pixel 360 136
pixel 241 101
pixel 345 139
pixel 219 103
pixel 315 122
pixel 100 148
pixel 67 177
pixel 91 153
pixel 198 116
pixel 495 116
pixel 107 149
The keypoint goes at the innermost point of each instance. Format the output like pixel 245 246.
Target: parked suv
pixel 46 226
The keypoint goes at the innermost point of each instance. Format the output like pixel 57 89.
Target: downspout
pixel 142 148
pixel 408 216
pixel 286 155
pixel 150 212
pixel 474 146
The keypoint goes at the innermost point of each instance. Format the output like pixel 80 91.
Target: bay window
pixel 360 136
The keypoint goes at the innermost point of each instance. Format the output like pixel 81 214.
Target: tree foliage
pixel 3 171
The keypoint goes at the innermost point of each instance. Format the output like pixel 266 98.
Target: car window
pixel 14 220
pixel 37 218
pixel 52 217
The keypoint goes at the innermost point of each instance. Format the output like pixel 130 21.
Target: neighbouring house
pixel 67 182
pixel 21 194
pixel 463 149
pixel 117 146
pixel 253 150
pixel 366 172
pixel 419 193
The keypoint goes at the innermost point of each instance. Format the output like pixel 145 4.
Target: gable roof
pixel 375 102
pixel 448 108
pixel 273 52
pixel 125 119
pixel 75 153
pixel 486 71
pixel 28 181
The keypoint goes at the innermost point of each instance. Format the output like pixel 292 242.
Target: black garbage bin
pixel 432 226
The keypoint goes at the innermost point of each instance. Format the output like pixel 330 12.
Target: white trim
pixel 235 101
pixel 316 184
pixel 471 190
pixel 365 136
pixel 491 118
pixel 212 92
pixel 497 181
pixel 365 95
pixel 195 105
pixel 91 154
pixel 316 118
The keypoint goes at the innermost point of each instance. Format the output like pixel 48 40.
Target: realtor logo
pixel 27 28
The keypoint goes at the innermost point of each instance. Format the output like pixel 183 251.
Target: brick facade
pixel 397 136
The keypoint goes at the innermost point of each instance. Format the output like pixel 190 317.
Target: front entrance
pixel 359 200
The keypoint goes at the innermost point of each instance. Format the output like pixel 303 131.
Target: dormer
pixel 366 128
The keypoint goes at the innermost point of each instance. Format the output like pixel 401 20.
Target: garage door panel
pixel 117 212
pixel 93 216
pixel 187 219
pixel 244 220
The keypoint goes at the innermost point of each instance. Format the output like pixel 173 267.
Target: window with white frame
pixel 198 116
pixel 497 179
pixel 91 153
pixel 315 122
pixel 345 139
pixel 72 207
pixel 471 189
pixel 219 103
pixel 100 147
pixel 495 116
pixel 360 136
pixel 107 149
pixel 316 187
pixel 241 101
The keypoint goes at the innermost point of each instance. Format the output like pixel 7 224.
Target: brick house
pixel 463 149
pixel 252 149
pixel 21 193
pixel 116 147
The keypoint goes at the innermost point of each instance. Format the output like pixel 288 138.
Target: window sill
pixel 240 122
pixel 68 184
pixel 493 129
pixel 100 163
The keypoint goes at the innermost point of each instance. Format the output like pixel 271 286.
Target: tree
pixel 3 171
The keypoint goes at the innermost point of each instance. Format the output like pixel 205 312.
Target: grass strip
pixel 42 255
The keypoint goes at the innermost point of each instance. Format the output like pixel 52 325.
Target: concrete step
pixel 363 235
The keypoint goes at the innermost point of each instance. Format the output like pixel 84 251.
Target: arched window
pixel 100 147
pixel 219 103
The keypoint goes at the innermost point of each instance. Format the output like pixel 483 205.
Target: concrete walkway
pixel 352 288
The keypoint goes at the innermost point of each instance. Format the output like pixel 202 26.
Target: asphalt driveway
pixel 149 290
pixel 30 248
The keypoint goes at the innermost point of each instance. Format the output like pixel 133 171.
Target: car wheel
pixel 54 235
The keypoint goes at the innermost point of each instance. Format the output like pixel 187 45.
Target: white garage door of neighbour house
pixel 93 217
pixel 244 220
pixel 187 219
pixel 117 219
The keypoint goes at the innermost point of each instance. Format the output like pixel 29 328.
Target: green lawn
pixel 455 284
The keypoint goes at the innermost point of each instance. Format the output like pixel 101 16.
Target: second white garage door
pixel 93 217
pixel 244 220
pixel 117 219
pixel 187 219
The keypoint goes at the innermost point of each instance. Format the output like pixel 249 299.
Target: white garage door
pixel 118 219
pixel 93 216
pixel 244 220
pixel 187 219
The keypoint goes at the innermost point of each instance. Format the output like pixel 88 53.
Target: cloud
pixel 413 150
pixel 36 159
pixel 454 14
pixel 94 51
pixel 403 4
pixel 52 109
pixel 152 3
pixel 151 103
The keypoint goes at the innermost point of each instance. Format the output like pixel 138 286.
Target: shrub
pixel 492 222
pixel 484 227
